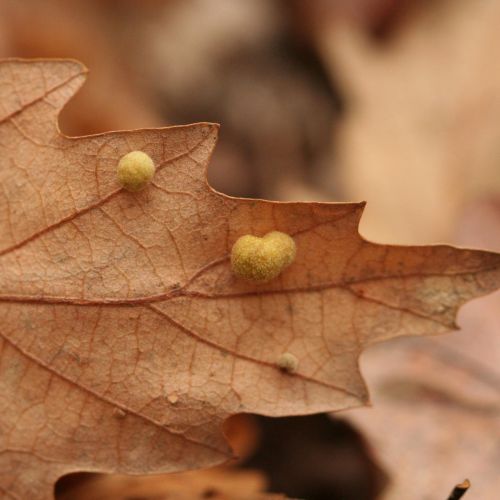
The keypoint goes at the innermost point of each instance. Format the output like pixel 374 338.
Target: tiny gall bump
pixel 287 362
pixel 262 259
pixel 119 414
pixel 173 398
pixel 135 170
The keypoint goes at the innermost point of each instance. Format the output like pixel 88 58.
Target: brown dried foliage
pixel 212 484
pixel 422 115
pixel 125 338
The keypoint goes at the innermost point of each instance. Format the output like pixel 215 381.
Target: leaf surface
pixel 444 390
pixel 219 483
pixel 125 338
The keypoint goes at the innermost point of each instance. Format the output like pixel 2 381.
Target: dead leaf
pixel 436 414
pixel 432 421
pixel 81 30
pixel 126 340
pixel 216 484
pixel 421 136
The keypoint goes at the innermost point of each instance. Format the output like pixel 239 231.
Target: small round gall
pixel 135 170
pixel 173 398
pixel 287 362
pixel 262 259
pixel 119 414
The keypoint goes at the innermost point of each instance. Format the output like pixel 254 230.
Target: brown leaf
pixel 214 484
pixel 436 413
pixel 439 397
pixel 126 339
pixel 422 129
pixel 55 28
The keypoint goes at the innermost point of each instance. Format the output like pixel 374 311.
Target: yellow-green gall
pixel 135 170
pixel 262 259
pixel 287 362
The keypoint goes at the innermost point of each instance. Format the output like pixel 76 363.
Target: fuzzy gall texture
pixel 135 170
pixel 288 362
pixel 262 259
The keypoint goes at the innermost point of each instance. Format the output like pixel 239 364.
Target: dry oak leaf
pixel 444 390
pixel 125 338
pixel 223 483
pixel 423 117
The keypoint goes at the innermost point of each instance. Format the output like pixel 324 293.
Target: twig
pixel 459 490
